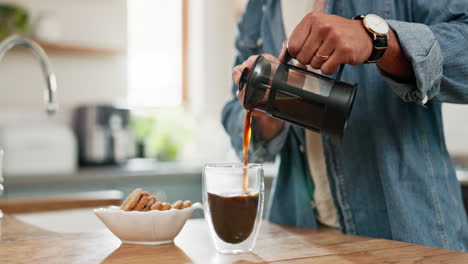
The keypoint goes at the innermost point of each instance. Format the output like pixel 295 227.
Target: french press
pixel 296 95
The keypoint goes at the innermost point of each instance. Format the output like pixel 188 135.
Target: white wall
pixel 81 78
pixel 213 28
pixel 456 128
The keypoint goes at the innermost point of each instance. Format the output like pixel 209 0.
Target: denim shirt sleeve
pixel 437 50
pixel 249 42
pixel 423 51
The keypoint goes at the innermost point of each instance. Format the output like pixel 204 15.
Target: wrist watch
pixel 378 29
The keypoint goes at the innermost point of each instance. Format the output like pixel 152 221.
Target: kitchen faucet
pixel 50 93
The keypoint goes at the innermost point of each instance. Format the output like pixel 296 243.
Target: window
pixel 154 53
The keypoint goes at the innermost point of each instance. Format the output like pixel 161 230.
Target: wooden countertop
pixel 22 243
pixel 78 200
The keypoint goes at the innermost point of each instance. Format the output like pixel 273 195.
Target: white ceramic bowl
pixel 148 228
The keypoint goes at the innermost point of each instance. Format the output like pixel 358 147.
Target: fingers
pixel 332 63
pixel 324 52
pixel 300 34
pixel 237 71
pixel 313 42
pixel 342 54
pixel 236 74
pixel 240 96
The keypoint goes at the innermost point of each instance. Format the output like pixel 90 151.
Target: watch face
pixel 376 24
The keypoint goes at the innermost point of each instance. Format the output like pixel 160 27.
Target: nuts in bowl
pixel 142 219
pixel 139 200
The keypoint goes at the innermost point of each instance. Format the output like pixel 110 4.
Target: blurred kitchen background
pixel 140 85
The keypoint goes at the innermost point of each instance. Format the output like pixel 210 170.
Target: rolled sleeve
pixel 424 53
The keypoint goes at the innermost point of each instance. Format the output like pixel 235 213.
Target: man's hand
pixel 325 41
pixel 266 126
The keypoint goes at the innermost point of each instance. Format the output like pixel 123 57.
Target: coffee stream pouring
pixel 292 94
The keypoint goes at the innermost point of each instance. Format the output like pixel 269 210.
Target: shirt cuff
pixel 423 52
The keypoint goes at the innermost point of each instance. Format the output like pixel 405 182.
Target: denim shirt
pixel 391 176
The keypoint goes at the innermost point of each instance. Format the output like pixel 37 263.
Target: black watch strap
pixel 380 44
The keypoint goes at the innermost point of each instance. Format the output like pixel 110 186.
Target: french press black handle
pixel 287 57
pixel 243 78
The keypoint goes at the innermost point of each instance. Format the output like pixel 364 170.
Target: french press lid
pixel 284 91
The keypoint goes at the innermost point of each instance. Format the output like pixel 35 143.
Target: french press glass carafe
pixel 296 95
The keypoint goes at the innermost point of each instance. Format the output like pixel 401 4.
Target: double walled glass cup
pixel 233 214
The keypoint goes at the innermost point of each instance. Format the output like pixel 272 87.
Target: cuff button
pixel 301 148
pixel 424 100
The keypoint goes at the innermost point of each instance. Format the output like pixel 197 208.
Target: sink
pixel 66 221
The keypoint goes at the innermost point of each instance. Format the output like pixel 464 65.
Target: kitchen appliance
pixel 38 148
pixel 104 134
pixel 293 94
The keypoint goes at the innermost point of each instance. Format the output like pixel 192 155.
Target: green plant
pixel 165 132
pixel 142 126
pixel 13 19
